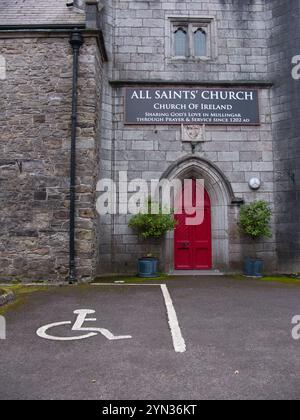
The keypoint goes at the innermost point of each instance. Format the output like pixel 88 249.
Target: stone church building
pixel 126 106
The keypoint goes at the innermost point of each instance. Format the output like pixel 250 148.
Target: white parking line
pixel 178 340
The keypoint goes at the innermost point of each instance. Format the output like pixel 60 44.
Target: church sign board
pixel 211 106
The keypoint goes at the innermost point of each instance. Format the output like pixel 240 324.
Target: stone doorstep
pixel 196 273
pixel 6 298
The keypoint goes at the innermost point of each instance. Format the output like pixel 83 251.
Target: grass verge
pixel 131 279
pixel 21 293
pixel 271 279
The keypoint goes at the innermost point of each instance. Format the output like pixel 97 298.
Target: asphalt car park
pixel 196 338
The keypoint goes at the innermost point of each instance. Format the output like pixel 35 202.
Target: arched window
pixel 200 48
pixel 193 39
pixel 180 42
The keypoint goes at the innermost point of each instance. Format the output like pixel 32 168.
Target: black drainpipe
pixel 76 41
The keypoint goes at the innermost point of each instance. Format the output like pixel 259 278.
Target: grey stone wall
pixel 285 106
pixel 140 52
pixel 106 144
pixel 142 38
pixel 34 156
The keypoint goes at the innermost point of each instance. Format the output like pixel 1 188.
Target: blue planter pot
pixel 147 267
pixel 253 267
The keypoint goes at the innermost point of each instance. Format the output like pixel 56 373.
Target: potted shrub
pixel 151 225
pixel 254 222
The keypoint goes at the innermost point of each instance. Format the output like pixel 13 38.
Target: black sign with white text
pixel 191 106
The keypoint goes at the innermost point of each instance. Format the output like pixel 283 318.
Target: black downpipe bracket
pixel 76 41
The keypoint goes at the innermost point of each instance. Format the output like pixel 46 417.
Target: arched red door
pixel 193 243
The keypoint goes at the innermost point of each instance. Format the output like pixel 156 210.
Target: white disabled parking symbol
pixel 81 318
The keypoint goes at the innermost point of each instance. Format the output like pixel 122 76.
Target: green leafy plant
pixel 255 219
pixel 152 224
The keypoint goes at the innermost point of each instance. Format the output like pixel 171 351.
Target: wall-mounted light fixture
pixel 254 183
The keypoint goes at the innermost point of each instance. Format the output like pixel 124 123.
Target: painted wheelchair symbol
pixel 82 314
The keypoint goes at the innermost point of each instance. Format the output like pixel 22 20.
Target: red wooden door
pixel 193 244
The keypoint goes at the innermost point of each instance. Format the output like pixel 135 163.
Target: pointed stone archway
pixel 221 196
